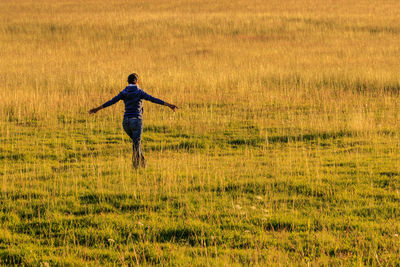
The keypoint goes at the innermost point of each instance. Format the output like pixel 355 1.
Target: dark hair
pixel 132 78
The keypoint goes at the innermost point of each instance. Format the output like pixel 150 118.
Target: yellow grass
pixel 285 149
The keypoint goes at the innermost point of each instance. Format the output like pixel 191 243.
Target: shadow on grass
pixel 284 139
pixel 309 137
pixel 21 195
pixel 249 188
pixel 11 257
pixel 122 202
pixel 390 174
pixel 184 145
pixel 260 188
pixel 156 129
pixel 182 234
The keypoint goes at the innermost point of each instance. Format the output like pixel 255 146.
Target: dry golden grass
pixel 285 149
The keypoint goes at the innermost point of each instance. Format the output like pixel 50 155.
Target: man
pixel 132 96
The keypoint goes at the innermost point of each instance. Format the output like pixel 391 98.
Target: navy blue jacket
pixel 133 96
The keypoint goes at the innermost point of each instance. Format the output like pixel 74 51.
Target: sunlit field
pixel 285 150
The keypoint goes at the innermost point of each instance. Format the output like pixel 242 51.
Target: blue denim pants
pixel 133 127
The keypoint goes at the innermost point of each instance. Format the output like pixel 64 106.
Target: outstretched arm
pixel 171 106
pixel 158 101
pixel 108 103
pixel 94 110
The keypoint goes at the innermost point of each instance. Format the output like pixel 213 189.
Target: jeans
pixel 133 127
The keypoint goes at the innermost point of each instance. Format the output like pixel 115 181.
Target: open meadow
pixel 285 150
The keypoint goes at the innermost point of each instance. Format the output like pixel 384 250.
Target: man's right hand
pixel 94 110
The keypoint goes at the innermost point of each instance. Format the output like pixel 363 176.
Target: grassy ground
pixel 285 150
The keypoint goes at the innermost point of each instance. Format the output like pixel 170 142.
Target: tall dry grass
pixel 285 149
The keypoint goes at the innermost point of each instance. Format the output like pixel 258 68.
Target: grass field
pixel 285 150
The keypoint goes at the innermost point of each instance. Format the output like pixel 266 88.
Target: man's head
pixel 133 78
